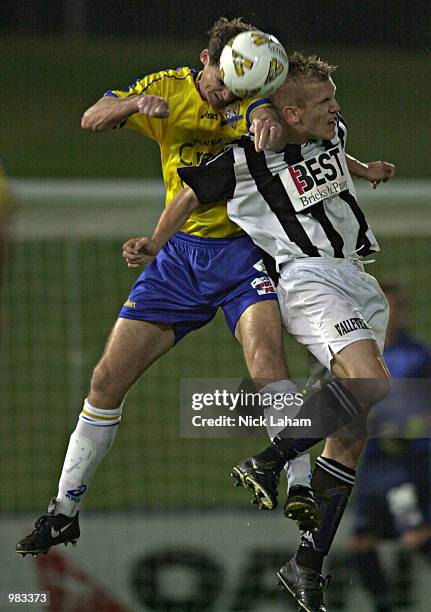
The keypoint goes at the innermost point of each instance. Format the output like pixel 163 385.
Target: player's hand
pixel 378 171
pixel 268 130
pixel 153 106
pixel 139 251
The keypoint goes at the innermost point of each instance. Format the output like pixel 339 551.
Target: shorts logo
pixel 259 266
pixel 263 285
pixel 130 304
pixel 75 494
pixel 349 325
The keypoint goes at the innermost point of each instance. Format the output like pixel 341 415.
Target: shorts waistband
pixel 207 242
pixel 326 262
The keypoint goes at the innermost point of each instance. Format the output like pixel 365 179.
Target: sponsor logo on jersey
pixel 208 115
pixel 263 285
pixel 75 494
pixel 130 304
pixel 317 178
pixel 349 325
pixel 231 116
pixel 191 154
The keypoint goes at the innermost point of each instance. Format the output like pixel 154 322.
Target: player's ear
pixel 205 57
pixel 291 115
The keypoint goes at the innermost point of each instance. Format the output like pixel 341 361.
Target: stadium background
pixel 65 279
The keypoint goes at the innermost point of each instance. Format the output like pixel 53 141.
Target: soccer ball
pixel 253 63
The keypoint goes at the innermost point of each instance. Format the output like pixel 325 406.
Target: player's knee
pixel 375 390
pixel 268 361
pixel 368 389
pixel 104 390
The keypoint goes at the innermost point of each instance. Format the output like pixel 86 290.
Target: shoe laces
pixel 268 476
pixel 40 523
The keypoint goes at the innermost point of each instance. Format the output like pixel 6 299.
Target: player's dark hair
pixel 302 69
pixel 221 33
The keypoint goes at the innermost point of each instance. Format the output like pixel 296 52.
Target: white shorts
pixel 330 303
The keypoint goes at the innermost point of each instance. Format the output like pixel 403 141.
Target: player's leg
pixel 320 308
pixel 328 410
pixel 365 377
pixel 153 317
pixel 361 367
pixel 363 372
pixel 260 332
pixel 331 324
pixel 132 347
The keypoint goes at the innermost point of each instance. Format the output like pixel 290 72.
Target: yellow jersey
pixel 191 133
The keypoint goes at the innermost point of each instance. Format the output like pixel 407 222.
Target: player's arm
pixel 141 250
pixel 209 182
pixel 109 111
pixel 374 172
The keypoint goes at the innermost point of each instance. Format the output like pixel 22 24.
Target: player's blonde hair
pixel 302 70
pixel 221 32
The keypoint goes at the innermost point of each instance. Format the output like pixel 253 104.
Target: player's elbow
pixel 91 121
pixel 86 121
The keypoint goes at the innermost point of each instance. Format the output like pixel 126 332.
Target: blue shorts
pixel 192 277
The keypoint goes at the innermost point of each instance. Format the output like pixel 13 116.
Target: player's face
pixel 318 116
pixel 211 86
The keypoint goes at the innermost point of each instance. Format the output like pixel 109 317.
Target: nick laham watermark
pixel 235 407
pixel 224 408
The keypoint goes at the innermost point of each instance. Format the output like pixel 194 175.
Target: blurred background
pixel 165 514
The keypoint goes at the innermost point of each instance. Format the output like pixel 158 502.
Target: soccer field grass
pixel 60 299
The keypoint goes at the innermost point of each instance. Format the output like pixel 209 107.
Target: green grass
pixel 60 299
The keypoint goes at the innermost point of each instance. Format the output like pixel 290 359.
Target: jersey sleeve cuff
pixel 259 103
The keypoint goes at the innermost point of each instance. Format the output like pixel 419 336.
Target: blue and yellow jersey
pixel 193 131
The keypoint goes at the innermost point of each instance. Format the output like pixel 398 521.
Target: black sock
pixel 328 410
pixel 332 484
pixel 372 576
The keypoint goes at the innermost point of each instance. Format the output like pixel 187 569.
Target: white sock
pixel 89 443
pixel 298 471
pixel 279 397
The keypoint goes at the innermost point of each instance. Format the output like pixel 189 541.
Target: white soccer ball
pixel 253 64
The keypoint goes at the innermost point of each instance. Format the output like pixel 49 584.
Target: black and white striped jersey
pixel 300 202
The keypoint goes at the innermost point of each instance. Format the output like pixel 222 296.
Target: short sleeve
pixel 213 180
pixel 156 84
